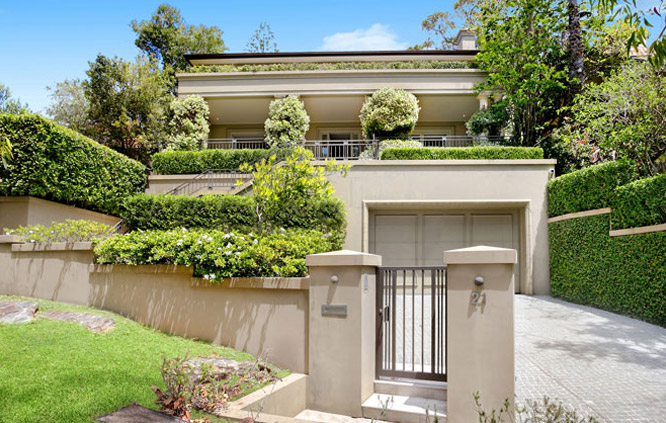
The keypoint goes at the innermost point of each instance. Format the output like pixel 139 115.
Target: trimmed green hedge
pixel 625 274
pixel 640 203
pixel 588 189
pixel 229 212
pixel 462 153
pixel 164 212
pixel 56 163
pixel 218 254
pixel 194 162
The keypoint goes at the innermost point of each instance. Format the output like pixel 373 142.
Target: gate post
pixel 342 331
pixel 480 345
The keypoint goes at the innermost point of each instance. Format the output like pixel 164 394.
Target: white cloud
pixel 377 37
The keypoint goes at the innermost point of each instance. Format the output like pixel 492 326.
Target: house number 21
pixel 478 298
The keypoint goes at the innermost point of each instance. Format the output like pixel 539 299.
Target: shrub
pixel 588 189
pixel 287 121
pixel 67 231
pixel 163 212
pixel 368 153
pixel 389 113
pixel 282 193
pixel 625 274
pixel 488 121
pixel 188 124
pixel 218 254
pixel 52 162
pixel 193 162
pixel 232 213
pixel 640 203
pixel 463 153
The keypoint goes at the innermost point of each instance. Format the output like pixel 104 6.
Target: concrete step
pixel 411 388
pixel 404 409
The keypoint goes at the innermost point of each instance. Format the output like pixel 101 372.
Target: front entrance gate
pixel 411 322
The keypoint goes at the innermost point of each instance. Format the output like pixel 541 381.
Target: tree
pixel 389 112
pixel 69 106
pixel 522 49
pixel 637 18
pixel 126 102
pixel 188 123
pixel 167 38
pixel 287 122
pixel 438 25
pixel 624 116
pixel 263 40
pixel 9 104
pixel 282 192
pixel 576 65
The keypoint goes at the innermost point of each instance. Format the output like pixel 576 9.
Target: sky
pixel 43 42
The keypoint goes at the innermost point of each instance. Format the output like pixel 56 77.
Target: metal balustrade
pixel 352 149
pixel 211 179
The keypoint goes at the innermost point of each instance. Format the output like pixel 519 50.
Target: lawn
pixel 54 371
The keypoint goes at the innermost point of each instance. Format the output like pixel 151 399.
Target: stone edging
pixel 11 239
pixel 576 215
pixel 639 230
pixel 52 246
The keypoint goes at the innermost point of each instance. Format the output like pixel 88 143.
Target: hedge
pixel 588 189
pixel 218 254
pixel 164 212
pixel 229 212
pixel 625 274
pixel 640 203
pixel 462 153
pixel 55 163
pixel 194 162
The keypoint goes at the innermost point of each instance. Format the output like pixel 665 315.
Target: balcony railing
pixel 352 149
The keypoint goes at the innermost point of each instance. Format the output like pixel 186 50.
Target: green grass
pixel 54 371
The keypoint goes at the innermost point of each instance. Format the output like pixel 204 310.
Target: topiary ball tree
pixel 287 121
pixel 389 112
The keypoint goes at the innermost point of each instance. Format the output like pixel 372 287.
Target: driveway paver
pixel 601 364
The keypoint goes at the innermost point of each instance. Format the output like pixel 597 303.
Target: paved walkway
pixel 602 364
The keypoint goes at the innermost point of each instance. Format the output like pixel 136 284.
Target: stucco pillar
pixel 479 316
pixel 483 101
pixel 342 331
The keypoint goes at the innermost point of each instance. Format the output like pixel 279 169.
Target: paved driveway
pixel 602 364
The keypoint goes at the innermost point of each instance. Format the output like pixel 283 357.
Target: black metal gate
pixel 411 322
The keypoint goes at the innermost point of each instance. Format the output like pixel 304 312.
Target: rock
pixel 93 322
pixel 12 312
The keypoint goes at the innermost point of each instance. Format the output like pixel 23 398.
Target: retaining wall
pixel 263 316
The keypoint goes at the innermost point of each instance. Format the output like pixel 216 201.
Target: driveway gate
pixel 411 322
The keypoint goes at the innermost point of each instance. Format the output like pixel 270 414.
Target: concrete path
pixel 602 364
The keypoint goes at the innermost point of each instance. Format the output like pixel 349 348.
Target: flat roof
pixel 331 56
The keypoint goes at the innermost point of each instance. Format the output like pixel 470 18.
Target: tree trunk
pixel 576 66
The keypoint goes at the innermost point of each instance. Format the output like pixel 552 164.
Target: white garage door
pixel 418 239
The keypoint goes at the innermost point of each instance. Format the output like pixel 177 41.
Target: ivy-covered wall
pixel 623 274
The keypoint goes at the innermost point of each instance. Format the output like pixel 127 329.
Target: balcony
pixel 352 149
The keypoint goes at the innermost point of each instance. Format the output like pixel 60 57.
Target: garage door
pixel 418 239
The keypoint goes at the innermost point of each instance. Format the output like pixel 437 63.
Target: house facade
pixel 406 211
pixel 333 86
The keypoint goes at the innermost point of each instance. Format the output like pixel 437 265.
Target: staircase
pixel 215 181
pixel 407 401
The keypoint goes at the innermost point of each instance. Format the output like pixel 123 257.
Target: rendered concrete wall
pixel 480 337
pixel 449 185
pixel 266 316
pixel 342 347
pixel 22 211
